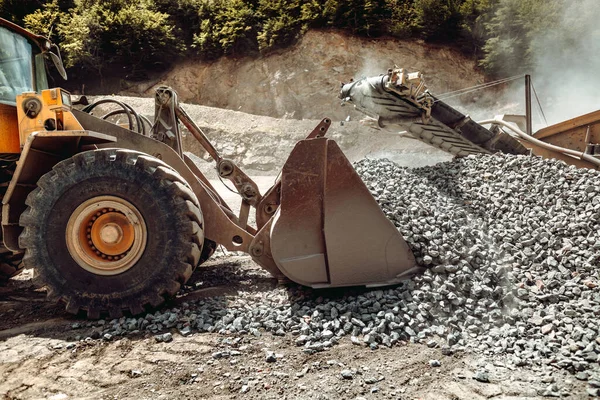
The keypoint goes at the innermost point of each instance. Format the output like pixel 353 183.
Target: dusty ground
pixel 43 356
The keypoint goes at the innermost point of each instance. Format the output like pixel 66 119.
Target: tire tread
pixel 187 208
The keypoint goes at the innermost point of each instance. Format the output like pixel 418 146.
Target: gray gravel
pixel 512 245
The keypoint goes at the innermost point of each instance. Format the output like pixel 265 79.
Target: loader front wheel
pixel 111 231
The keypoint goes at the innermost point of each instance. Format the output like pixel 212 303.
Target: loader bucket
pixel 329 230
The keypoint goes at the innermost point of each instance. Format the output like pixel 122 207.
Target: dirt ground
pixel 42 356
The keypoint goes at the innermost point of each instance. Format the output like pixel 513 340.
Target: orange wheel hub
pixel 106 235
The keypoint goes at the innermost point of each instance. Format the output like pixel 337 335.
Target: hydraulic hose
pixel 548 146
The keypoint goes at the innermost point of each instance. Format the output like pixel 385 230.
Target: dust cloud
pixel 566 72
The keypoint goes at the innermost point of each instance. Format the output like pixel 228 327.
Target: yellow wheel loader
pixel 114 219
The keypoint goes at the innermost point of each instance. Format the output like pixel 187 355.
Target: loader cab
pixel 22 61
pixel 22 69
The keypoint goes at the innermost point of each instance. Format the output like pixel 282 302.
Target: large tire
pixel 151 203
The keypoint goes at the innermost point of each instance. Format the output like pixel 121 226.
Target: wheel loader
pixel 116 218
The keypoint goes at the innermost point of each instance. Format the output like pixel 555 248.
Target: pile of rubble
pixel 512 244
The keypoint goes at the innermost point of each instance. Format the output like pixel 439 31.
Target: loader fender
pixel 41 152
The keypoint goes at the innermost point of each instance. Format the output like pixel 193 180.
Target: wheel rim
pixel 106 235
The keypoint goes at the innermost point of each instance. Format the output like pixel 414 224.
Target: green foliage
pixel 439 20
pixel 402 19
pixel 282 21
pixel 82 35
pixel 513 31
pixel 183 15
pixel 363 17
pixel 125 32
pixel 140 34
pixel 475 15
pixel 44 21
pixel 226 27
pixel 16 10
pixel 144 34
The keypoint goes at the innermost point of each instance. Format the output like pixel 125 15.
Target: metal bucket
pixel 329 230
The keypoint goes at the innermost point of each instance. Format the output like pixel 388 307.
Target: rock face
pixel 303 81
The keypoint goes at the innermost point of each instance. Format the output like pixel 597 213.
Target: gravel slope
pixel 261 144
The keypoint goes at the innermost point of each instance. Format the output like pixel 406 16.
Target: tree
pixel 16 10
pixel 44 21
pixel 475 15
pixel 512 32
pixel 282 21
pixel 402 20
pixel 183 15
pixel 139 35
pixel 226 27
pixel 122 32
pixel 363 17
pixel 439 20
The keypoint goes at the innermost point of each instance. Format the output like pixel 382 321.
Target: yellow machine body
pixel 9 137
pixel 53 113
pixel 66 206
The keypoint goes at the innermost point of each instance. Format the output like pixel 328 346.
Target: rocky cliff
pixel 302 82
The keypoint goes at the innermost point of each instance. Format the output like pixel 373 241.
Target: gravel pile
pixel 512 244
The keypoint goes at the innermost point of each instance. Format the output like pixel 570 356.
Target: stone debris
pixel 271 357
pixel 135 373
pixel 435 363
pixel 512 248
pixel 167 337
pixel 481 376
pixel 347 374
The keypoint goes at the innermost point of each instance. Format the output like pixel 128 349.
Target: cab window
pixel 15 66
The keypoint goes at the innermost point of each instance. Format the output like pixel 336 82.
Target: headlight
pixel 32 107
pixel 66 98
